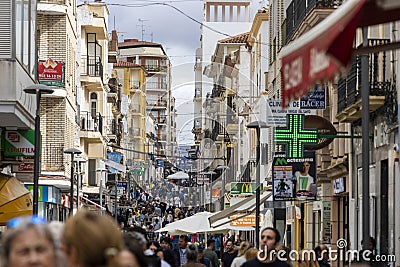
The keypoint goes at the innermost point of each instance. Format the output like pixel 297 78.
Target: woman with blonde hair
pixel 307 258
pixel 92 240
pixel 240 259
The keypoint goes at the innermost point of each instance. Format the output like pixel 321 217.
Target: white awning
pixel 245 207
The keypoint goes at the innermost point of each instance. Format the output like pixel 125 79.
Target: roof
pixel 136 43
pixel 238 39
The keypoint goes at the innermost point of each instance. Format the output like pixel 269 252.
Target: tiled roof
pixel 125 64
pixel 237 39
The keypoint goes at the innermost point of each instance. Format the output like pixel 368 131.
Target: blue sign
pixel 116 157
pixel 315 99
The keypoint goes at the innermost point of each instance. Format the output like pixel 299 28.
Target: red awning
pixel 321 53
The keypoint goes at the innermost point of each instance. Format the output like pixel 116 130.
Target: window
pixel 93 105
pixel 92 172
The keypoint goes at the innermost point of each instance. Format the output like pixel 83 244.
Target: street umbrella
pixel 178 176
pixel 15 199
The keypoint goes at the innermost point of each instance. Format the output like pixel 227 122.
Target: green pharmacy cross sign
pixel 295 136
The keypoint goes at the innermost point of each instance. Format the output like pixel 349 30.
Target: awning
pixel 15 199
pixel 245 207
pixel 321 52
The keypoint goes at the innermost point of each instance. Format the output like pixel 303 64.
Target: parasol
pixel 15 199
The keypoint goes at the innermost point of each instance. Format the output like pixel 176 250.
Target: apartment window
pixel 25 24
pixel 152 64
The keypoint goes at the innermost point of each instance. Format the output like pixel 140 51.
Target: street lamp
pixel 38 90
pixel 72 152
pixel 223 167
pixel 79 180
pixel 101 170
pixel 257 125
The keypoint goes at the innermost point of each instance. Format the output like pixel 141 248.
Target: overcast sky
pixel 179 35
pixel 174 28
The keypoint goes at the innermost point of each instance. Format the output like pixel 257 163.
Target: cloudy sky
pixel 179 35
pixel 172 24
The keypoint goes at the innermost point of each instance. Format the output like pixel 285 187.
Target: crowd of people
pixel 92 239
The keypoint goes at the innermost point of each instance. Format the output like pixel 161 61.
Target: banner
pixel 294 178
pixel 51 73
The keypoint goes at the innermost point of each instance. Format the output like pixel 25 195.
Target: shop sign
pixel 249 220
pixel 51 73
pixel 324 127
pixel 314 99
pixel 23 167
pixel 339 185
pixel 244 188
pixel 326 222
pixel 19 143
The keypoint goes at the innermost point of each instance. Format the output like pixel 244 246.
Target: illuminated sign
pixel 244 188
pixel 295 136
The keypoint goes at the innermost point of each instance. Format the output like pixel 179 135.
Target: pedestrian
pixel 191 257
pixel 28 241
pixel 269 241
pixel 91 239
pixel 240 259
pixel 210 253
pixel 229 254
pixel 321 252
pixel 180 252
pixel 201 258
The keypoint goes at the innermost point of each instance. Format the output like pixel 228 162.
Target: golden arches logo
pixel 247 188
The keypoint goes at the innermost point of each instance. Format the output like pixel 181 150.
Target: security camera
pixel 396 147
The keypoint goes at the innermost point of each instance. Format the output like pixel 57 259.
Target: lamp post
pixel 223 167
pixel 79 179
pixel 101 170
pixel 211 173
pixel 72 152
pixel 257 125
pixel 38 90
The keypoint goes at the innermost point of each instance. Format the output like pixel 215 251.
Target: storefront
pixel 49 202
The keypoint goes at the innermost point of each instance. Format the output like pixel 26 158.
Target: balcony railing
pixel 112 126
pixel 155 85
pixel 349 88
pixel 91 122
pixel 91 66
pixel 297 11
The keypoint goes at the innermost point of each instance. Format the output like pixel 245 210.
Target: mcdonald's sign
pixel 244 188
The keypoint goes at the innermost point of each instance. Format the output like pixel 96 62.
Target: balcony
pixel 159 104
pixel 91 125
pixel 349 88
pixel 91 66
pixel 301 17
pixel 52 7
pixel 112 128
pixel 156 86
